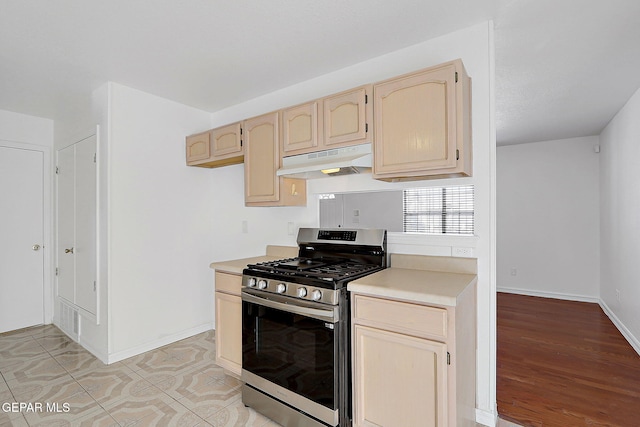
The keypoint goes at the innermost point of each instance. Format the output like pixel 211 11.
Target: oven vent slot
pixel 69 321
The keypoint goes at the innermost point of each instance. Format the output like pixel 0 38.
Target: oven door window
pixel 294 351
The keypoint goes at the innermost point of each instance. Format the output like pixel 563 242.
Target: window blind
pixel 439 210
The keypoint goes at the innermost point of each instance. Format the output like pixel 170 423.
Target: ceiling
pixel 563 67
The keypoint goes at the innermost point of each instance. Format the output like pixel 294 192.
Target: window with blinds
pixel 439 210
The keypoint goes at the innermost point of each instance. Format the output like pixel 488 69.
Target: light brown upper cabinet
pixel 301 129
pixel 423 124
pixel 262 159
pixel 347 116
pixel 198 148
pixel 217 147
pixel 335 121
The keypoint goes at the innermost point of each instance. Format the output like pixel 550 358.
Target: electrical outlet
pixel 290 228
pixel 462 252
pixel 245 226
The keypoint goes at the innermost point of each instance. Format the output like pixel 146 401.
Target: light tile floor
pixel 176 385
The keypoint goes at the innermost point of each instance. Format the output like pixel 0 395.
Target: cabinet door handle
pixel 68 251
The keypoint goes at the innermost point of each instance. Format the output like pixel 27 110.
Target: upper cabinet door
pixel 300 129
pixel 261 159
pixel 420 123
pixel 215 148
pixel 227 140
pixel 347 116
pixel 198 148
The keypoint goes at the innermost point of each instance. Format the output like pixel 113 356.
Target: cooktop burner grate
pixel 325 269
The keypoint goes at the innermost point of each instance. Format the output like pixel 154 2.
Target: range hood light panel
pixel 330 171
pixel 333 162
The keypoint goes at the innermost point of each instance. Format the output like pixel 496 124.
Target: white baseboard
pixel 486 418
pixel 556 295
pixel 104 358
pixel 125 354
pixel 633 341
pixel 623 329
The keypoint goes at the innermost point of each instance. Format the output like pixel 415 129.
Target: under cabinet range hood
pixel 334 162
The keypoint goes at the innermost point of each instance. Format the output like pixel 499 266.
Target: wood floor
pixel 563 363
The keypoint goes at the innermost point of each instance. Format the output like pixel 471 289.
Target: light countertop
pixel 421 279
pixel 417 284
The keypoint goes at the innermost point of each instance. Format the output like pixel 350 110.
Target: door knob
pixel 35 247
pixel 68 251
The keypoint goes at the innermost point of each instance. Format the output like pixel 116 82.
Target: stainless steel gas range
pixel 296 365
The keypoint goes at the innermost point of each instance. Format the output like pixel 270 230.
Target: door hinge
pixel 57 170
pixel 366 127
pixel 94 157
pixel 366 99
pixel 240 143
pixel 57 271
pixel 457 154
pixel 448 358
pixel 456 77
pixel 94 286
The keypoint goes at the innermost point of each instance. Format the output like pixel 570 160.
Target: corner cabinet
pixel 228 303
pixel 261 161
pixel 413 364
pixel 423 124
pixel 217 147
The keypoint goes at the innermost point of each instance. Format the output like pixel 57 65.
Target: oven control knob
pixel 262 284
pixel 316 295
pixel 281 288
pixel 302 292
pixel 252 282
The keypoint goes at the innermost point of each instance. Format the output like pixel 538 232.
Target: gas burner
pixel 333 269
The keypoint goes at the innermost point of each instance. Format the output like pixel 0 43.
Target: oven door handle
pixel 274 301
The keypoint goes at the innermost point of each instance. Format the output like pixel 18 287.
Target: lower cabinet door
pixel 229 332
pixel 399 380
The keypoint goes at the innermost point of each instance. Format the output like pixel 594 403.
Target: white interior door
pixel 85 246
pixel 66 223
pixel 76 251
pixel 21 238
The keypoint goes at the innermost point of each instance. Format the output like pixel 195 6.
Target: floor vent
pixel 69 320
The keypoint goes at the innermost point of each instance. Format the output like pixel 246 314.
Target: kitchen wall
pixel 548 219
pixel 160 237
pixel 620 227
pixel 264 225
pixel 268 225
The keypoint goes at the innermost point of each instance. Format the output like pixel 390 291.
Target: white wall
pixel 36 133
pixel 265 225
pixel 475 46
pixel 25 129
pixel 548 219
pixel 619 211
pixel 160 236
